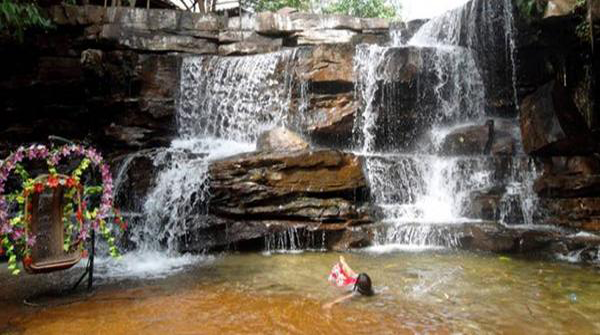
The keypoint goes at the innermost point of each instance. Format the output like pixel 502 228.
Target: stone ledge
pixel 182 31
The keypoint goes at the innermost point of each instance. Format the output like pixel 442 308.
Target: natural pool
pixel 434 291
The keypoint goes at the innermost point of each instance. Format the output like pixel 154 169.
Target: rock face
pixel 280 139
pixel 110 75
pixel 492 138
pixel 311 187
pixel 552 126
pixel 256 195
pixel 326 106
pixel 559 8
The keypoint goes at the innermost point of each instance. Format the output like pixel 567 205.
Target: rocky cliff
pixel 111 77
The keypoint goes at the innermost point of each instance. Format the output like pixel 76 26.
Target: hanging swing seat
pixel 46 223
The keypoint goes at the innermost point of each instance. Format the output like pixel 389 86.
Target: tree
pixel 16 16
pixel 362 8
pixel 274 5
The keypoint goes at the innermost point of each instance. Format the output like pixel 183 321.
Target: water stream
pixel 420 188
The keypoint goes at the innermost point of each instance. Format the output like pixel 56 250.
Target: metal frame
pixel 89 268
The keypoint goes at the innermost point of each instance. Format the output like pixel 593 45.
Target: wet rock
pixel 349 239
pixel 552 126
pixel 484 206
pixel 577 213
pixel 327 64
pixel 490 138
pixel 311 187
pixel 408 92
pixel 157 41
pixel 374 24
pixel 574 165
pixel 135 176
pixel 567 186
pixel 77 15
pixel 277 24
pixel 280 139
pixel 129 136
pixel 328 119
pixel 560 8
pixel 586 166
pixel 253 45
pixel 408 29
pixel 468 140
pixel 229 36
pixel 323 36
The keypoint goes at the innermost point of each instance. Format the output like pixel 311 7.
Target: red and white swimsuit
pixel 340 278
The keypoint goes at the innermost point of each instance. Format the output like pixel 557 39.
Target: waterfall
pixel 224 104
pixel 234 98
pixel 422 192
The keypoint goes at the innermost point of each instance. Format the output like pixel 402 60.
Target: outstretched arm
pixel 347 267
pixel 338 300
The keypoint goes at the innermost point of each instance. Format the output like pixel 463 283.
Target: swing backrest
pixel 47 254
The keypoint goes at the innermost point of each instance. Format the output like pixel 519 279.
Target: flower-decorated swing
pixel 46 221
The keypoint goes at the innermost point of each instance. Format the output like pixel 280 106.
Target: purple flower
pixel 19 155
pixel 5 228
pixel 83 234
pixel 18 234
pixel 31 240
pixel 65 151
pixel 4 174
pixel 55 159
pixel 78 149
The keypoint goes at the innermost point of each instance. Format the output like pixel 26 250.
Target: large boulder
pixel 551 125
pixel 280 139
pixel 309 187
pixel 313 195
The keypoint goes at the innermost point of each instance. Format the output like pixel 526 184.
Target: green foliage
pixel 583 28
pixel 362 8
pixel 274 5
pixel 16 16
pixel 532 9
pixel 580 4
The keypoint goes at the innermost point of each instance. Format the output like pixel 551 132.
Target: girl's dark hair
pixel 363 285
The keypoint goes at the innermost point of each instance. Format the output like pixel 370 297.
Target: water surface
pixel 418 292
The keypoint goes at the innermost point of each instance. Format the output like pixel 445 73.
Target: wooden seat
pixel 47 254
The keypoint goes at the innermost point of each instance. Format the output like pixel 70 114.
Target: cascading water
pixel 225 103
pixel 423 192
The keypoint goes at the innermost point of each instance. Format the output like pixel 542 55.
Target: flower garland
pixel 16 240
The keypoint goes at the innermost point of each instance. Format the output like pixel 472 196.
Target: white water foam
pixel 389 248
pixel 145 265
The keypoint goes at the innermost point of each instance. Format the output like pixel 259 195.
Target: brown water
pixel 428 292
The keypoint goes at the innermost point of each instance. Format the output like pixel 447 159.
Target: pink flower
pixel 31 240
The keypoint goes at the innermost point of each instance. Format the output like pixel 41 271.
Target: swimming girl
pixel 343 276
